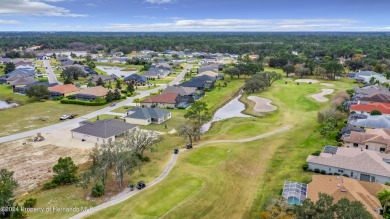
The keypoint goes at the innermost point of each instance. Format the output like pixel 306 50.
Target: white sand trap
pixel 262 105
pixel 320 97
pixel 307 81
pixel 327 84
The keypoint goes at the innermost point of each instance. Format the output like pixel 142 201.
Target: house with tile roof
pixel 344 187
pixel 147 115
pixel 384 108
pixel 22 72
pixel 203 82
pixel 136 79
pixel 372 122
pixel 22 81
pixel 211 74
pixel 168 100
pixel 380 98
pixel 361 164
pixel 371 90
pixel 63 90
pixel 105 78
pixel 91 93
pixel 373 139
pixel 101 131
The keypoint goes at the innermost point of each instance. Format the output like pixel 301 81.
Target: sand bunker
pixel 262 105
pixel 320 97
pixel 327 84
pixel 307 81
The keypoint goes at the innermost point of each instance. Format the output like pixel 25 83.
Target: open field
pixel 31 115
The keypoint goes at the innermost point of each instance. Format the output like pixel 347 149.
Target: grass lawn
pixel 177 119
pixel 31 115
pixel 162 80
pixel 120 65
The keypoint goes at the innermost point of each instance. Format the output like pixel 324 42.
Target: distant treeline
pixel 375 45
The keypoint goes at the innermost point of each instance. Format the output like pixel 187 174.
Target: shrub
pixel 57 98
pixel 323 172
pixel 316 170
pixel 337 174
pixel 49 185
pixel 317 153
pixel 387 183
pixel 81 102
pixel 375 112
pixel 123 97
pixel 98 190
pixel 345 175
pixel 29 203
pixel 330 173
pixel 305 166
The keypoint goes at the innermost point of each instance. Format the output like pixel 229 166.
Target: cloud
pixel 34 7
pixel 9 21
pixel 91 5
pixel 144 17
pixel 159 1
pixel 236 25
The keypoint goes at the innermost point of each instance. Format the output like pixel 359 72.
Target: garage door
pixel 365 177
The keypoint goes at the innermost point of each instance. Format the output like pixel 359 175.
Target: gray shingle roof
pixel 378 121
pixel 355 159
pixel 104 128
pixel 183 91
pixel 146 113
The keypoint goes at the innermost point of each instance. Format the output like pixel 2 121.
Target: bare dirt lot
pixel 32 162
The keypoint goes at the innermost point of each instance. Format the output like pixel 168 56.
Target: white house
pixel 146 116
pixel 361 164
pixel 101 131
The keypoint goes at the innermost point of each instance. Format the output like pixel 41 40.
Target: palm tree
pixel 384 198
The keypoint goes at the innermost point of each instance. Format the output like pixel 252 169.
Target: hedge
pixel 81 102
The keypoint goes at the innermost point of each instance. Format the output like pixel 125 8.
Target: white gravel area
pixel 320 97
pixel 262 105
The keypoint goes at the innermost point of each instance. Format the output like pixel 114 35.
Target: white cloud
pixel 159 1
pixel 8 21
pixel 236 25
pixel 34 7
pixel 144 17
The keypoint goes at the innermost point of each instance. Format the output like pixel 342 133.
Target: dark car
pixel 176 151
pixel 141 185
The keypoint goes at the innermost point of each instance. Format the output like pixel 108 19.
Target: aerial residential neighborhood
pixel 194 109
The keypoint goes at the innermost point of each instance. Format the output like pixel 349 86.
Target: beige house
pixel 64 90
pixel 373 139
pixel 168 100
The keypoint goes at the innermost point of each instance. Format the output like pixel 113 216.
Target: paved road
pixel 93 114
pixel 50 73
pixel 126 194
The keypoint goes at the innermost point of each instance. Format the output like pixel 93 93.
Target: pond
pixel 229 110
pixel 6 105
pixel 116 71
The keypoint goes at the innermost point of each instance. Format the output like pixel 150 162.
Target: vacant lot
pixel 31 115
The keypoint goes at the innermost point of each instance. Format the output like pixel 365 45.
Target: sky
pixel 194 15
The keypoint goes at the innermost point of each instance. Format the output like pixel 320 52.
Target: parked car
pixel 112 104
pixel 176 151
pixel 189 146
pixel 64 117
pixel 141 185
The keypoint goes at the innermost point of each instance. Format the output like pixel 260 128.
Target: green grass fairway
pixel 240 178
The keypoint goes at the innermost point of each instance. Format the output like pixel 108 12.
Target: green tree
pixel 231 71
pixel 187 131
pixel 7 186
pixel 384 198
pixel 110 96
pixel 375 112
pixel 91 65
pixel 100 82
pixel 65 172
pixel 117 95
pixel 130 88
pixel 9 66
pixel 288 69
pixel 38 92
pixel 328 127
pixel 118 84
pixel 72 72
pixel 198 114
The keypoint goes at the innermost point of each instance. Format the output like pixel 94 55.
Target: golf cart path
pixel 124 195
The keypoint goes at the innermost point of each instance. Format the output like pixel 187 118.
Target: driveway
pixel 50 73
pixel 105 110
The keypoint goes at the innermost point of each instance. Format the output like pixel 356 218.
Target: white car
pixel 64 117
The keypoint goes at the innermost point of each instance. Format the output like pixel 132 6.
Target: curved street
pixel 123 196
pixel 96 113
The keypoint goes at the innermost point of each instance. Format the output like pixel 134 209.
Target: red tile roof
pixel 162 98
pixel 383 107
pixel 64 89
